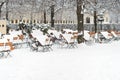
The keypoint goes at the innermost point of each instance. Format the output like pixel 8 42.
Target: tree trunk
pixel 95 17
pixel 80 21
pixel 45 17
pixel 95 21
pixel 7 9
pixel 1 8
pixel 52 16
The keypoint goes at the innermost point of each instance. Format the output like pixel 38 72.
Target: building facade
pixel 30 11
pixel 3 28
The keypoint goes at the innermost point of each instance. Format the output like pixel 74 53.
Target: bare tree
pixel 95 7
pixel 1 5
pixel 7 11
pixel 80 20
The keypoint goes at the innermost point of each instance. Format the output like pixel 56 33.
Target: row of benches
pixel 40 42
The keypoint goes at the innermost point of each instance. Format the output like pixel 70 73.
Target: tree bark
pixel 45 17
pixel 95 21
pixel 95 17
pixel 7 13
pixel 52 16
pixel 1 8
pixel 80 21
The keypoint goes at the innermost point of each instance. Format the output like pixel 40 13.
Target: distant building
pixel 67 17
pixel 3 28
pixel 19 11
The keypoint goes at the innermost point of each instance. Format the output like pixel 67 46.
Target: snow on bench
pixel 68 30
pixel 3 45
pixel 43 39
pixel 115 35
pixel 106 35
pixel 68 37
pixel 56 33
pixel 86 35
pixel 70 40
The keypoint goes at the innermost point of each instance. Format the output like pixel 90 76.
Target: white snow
pixel 68 37
pixel 115 35
pixel 96 62
pixel 106 35
pixel 87 35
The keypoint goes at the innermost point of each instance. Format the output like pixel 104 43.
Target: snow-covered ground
pixel 96 62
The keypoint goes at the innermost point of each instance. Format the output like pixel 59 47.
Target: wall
pixel 3 26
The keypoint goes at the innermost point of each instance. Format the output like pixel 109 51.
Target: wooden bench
pixel 5 49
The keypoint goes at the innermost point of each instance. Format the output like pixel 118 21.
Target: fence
pixel 89 27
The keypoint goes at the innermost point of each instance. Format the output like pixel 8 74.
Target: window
pixel 16 21
pixel 88 20
pixel 27 21
pixel 63 21
pixel 37 21
pixel 2 25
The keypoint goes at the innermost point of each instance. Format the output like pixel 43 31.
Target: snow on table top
pixel 3 40
pixel 42 39
pixel 36 33
pixel 10 37
pixel 68 37
pixel 86 35
pixel 16 33
pixel 106 34
pixel 67 30
pixel 56 33
pixel 39 36
pixel 114 34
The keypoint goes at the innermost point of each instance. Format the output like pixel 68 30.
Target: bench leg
pixel 1 54
pixel 8 54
